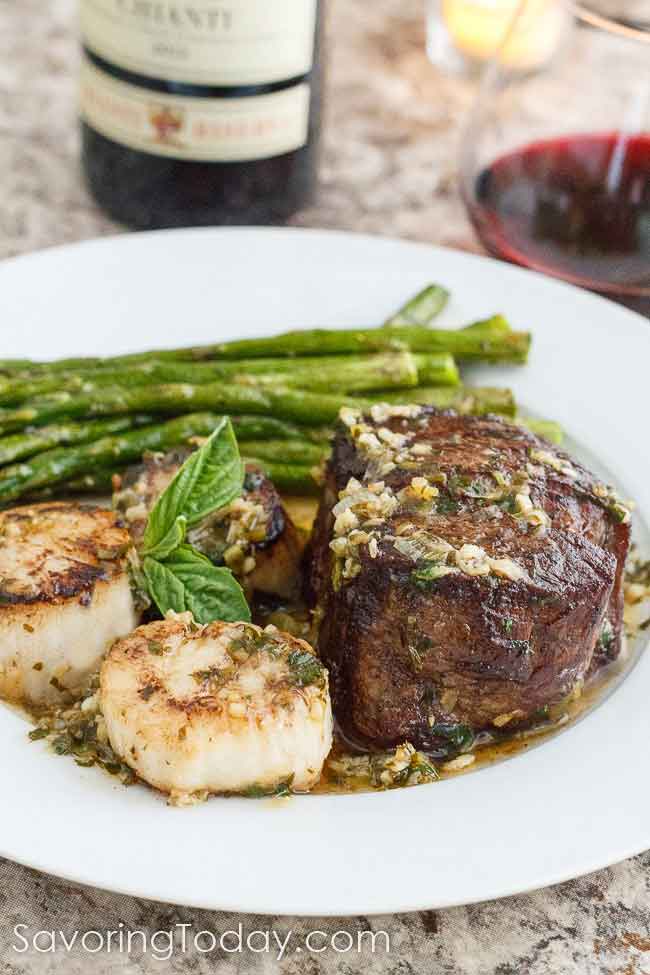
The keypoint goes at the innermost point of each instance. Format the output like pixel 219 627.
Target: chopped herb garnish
pixel 447 505
pixel 402 766
pixel 606 638
pixel 460 736
pixel 242 644
pixel 203 676
pixel 424 767
pixel 508 504
pixel 62 745
pixel 38 733
pixel 155 647
pixel 79 739
pixel 431 572
pixel 507 625
pixel 306 668
pixel 266 792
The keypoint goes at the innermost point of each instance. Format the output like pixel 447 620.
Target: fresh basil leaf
pixel 211 592
pixel 165 590
pixel 188 581
pixel 174 537
pixel 210 478
pixel 186 555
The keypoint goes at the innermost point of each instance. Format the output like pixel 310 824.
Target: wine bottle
pixel 200 112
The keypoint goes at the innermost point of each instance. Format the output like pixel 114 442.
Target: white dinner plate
pixel 573 804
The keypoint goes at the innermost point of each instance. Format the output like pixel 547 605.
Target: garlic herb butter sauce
pixel 351 769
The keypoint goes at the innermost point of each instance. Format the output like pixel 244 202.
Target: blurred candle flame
pixel 479 29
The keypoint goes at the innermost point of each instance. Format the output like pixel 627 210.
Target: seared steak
pixel 254 536
pixel 466 574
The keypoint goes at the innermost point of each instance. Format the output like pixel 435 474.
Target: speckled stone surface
pixel 390 133
pixel 388 168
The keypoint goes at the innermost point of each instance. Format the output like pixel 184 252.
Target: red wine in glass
pixel 577 207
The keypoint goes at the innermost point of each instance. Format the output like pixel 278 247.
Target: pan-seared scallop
pixel 222 708
pixel 64 597
pixel 254 536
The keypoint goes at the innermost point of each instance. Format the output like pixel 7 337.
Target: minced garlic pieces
pixel 135 513
pixel 185 799
pixel 382 448
pixel 419 545
pixel 439 558
pixel 551 460
pixel 363 507
pixel 419 489
pixel 247 520
pixel 395 440
pixel 421 449
pixel 524 504
pixel 622 510
pixel 348 416
pixel 403 766
pixel 603 494
pixel 507 569
pixel 373 500
pixel 358 512
pixel 380 412
pixel 472 560
pixel 247 525
pixel 368 442
pixel 457 764
pixel 502 720
pixel 345 522
pixel 537 518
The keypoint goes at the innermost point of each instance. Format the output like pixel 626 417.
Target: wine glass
pixel 555 165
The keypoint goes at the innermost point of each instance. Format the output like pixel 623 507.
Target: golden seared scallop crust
pixel 64 597
pixel 49 552
pixel 222 708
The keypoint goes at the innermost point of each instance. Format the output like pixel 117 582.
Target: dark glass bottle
pixel 200 114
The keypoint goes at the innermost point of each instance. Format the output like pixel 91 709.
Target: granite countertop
pixel 390 146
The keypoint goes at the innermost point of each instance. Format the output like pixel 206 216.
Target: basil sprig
pixel 187 580
pixel 210 478
pixel 179 577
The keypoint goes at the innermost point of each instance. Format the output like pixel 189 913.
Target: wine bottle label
pixel 208 129
pixel 234 42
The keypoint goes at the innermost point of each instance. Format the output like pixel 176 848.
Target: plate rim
pixel 397 904
pixel 137 237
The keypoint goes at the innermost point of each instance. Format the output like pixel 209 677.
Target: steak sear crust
pixel 469 575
